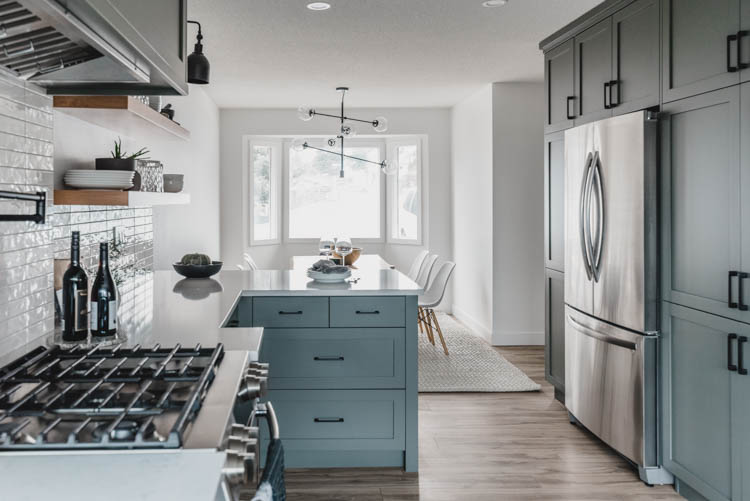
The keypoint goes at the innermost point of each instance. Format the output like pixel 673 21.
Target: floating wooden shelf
pixel 123 114
pixel 119 198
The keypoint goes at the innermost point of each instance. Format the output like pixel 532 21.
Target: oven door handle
pixel 265 410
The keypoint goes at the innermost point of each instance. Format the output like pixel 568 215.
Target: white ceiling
pixel 392 53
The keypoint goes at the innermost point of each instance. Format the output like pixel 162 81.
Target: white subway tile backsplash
pixel 27 249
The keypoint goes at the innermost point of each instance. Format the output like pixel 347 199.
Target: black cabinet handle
pixel 374 312
pixel 740 299
pixel 731 303
pixel 327 359
pixel 607 92
pixel 730 39
pixel 328 420
pixel 740 34
pixel 612 84
pixel 567 107
pixel 298 312
pixel 730 366
pixel 741 355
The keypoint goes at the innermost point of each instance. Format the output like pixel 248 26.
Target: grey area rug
pixel 472 366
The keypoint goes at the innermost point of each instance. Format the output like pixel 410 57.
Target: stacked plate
pixel 99 179
pixel 328 278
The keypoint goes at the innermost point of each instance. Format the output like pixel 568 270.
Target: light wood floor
pixel 492 446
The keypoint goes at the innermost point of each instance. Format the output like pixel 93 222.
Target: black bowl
pixel 198 270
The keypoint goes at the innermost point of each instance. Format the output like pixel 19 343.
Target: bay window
pixel 299 194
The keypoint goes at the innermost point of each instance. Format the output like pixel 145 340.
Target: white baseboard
pixel 518 339
pixel 472 324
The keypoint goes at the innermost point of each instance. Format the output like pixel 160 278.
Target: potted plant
pixel 120 160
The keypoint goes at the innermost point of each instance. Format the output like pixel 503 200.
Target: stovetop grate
pixel 99 398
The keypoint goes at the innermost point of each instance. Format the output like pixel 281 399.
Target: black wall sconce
pixel 198 67
pixel 40 197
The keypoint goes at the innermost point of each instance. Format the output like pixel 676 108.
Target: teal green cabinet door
pixel 594 72
pixel 694 46
pixel 698 401
pixel 701 201
pixel 559 83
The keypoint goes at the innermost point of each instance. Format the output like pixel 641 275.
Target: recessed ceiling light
pixel 318 6
pixel 494 3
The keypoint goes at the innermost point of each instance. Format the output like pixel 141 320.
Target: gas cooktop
pixel 103 398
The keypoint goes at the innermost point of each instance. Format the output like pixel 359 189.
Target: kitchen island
pixel 343 357
pixel 343 363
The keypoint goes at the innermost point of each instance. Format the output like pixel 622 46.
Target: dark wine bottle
pixel 103 298
pixel 75 296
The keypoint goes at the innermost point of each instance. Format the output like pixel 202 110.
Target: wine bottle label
pixel 94 316
pixel 81 308
pixel 112 315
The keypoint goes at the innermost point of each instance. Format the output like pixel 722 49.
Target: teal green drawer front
pixel 290 311
pixel 340 419
pixel 377 311
pixel 334 358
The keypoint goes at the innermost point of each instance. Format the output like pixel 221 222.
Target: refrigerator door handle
pixel 582 216
pixel 600 336
pixel 587 217
pixel 597 255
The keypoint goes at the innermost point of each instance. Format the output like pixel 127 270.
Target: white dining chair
pixel 431 298
pixel 250 262
pixel 416 265
pixel 422 279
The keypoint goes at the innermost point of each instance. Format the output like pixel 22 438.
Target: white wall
pixel 498 221
pixel 236 123
pixel 471 176
pixel 518 213
pixel 177 229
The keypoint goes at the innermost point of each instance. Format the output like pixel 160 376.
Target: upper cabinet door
pixel 699 42
pixel 701 201
pixel 594 72
pixel 559 87
pixel 635 57
pixel 554 201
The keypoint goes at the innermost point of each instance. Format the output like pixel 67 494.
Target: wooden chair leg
pixel 428 325
pixel 423 322
pixel 420 319
pixel 440 332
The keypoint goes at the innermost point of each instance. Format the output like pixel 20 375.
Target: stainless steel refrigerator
pixel 611 285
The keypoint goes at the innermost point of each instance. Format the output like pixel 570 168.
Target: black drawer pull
pixel 374 312
pixel 741 355
pixel 607 92
pixel 730 366
pixel 299 312
pixel 730 39
pixel 567 107
pixel 329 420
pixel 327 359
pixel 741 300
pixel 731 303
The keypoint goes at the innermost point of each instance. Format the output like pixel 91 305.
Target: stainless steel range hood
pixel 80 47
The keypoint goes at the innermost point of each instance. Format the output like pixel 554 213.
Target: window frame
pixel 277 167
pixel 321 143
pixel 392 191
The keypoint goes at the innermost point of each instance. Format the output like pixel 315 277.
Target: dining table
pixel 365 262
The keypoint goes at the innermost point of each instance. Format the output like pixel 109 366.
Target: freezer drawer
pixel 610 384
